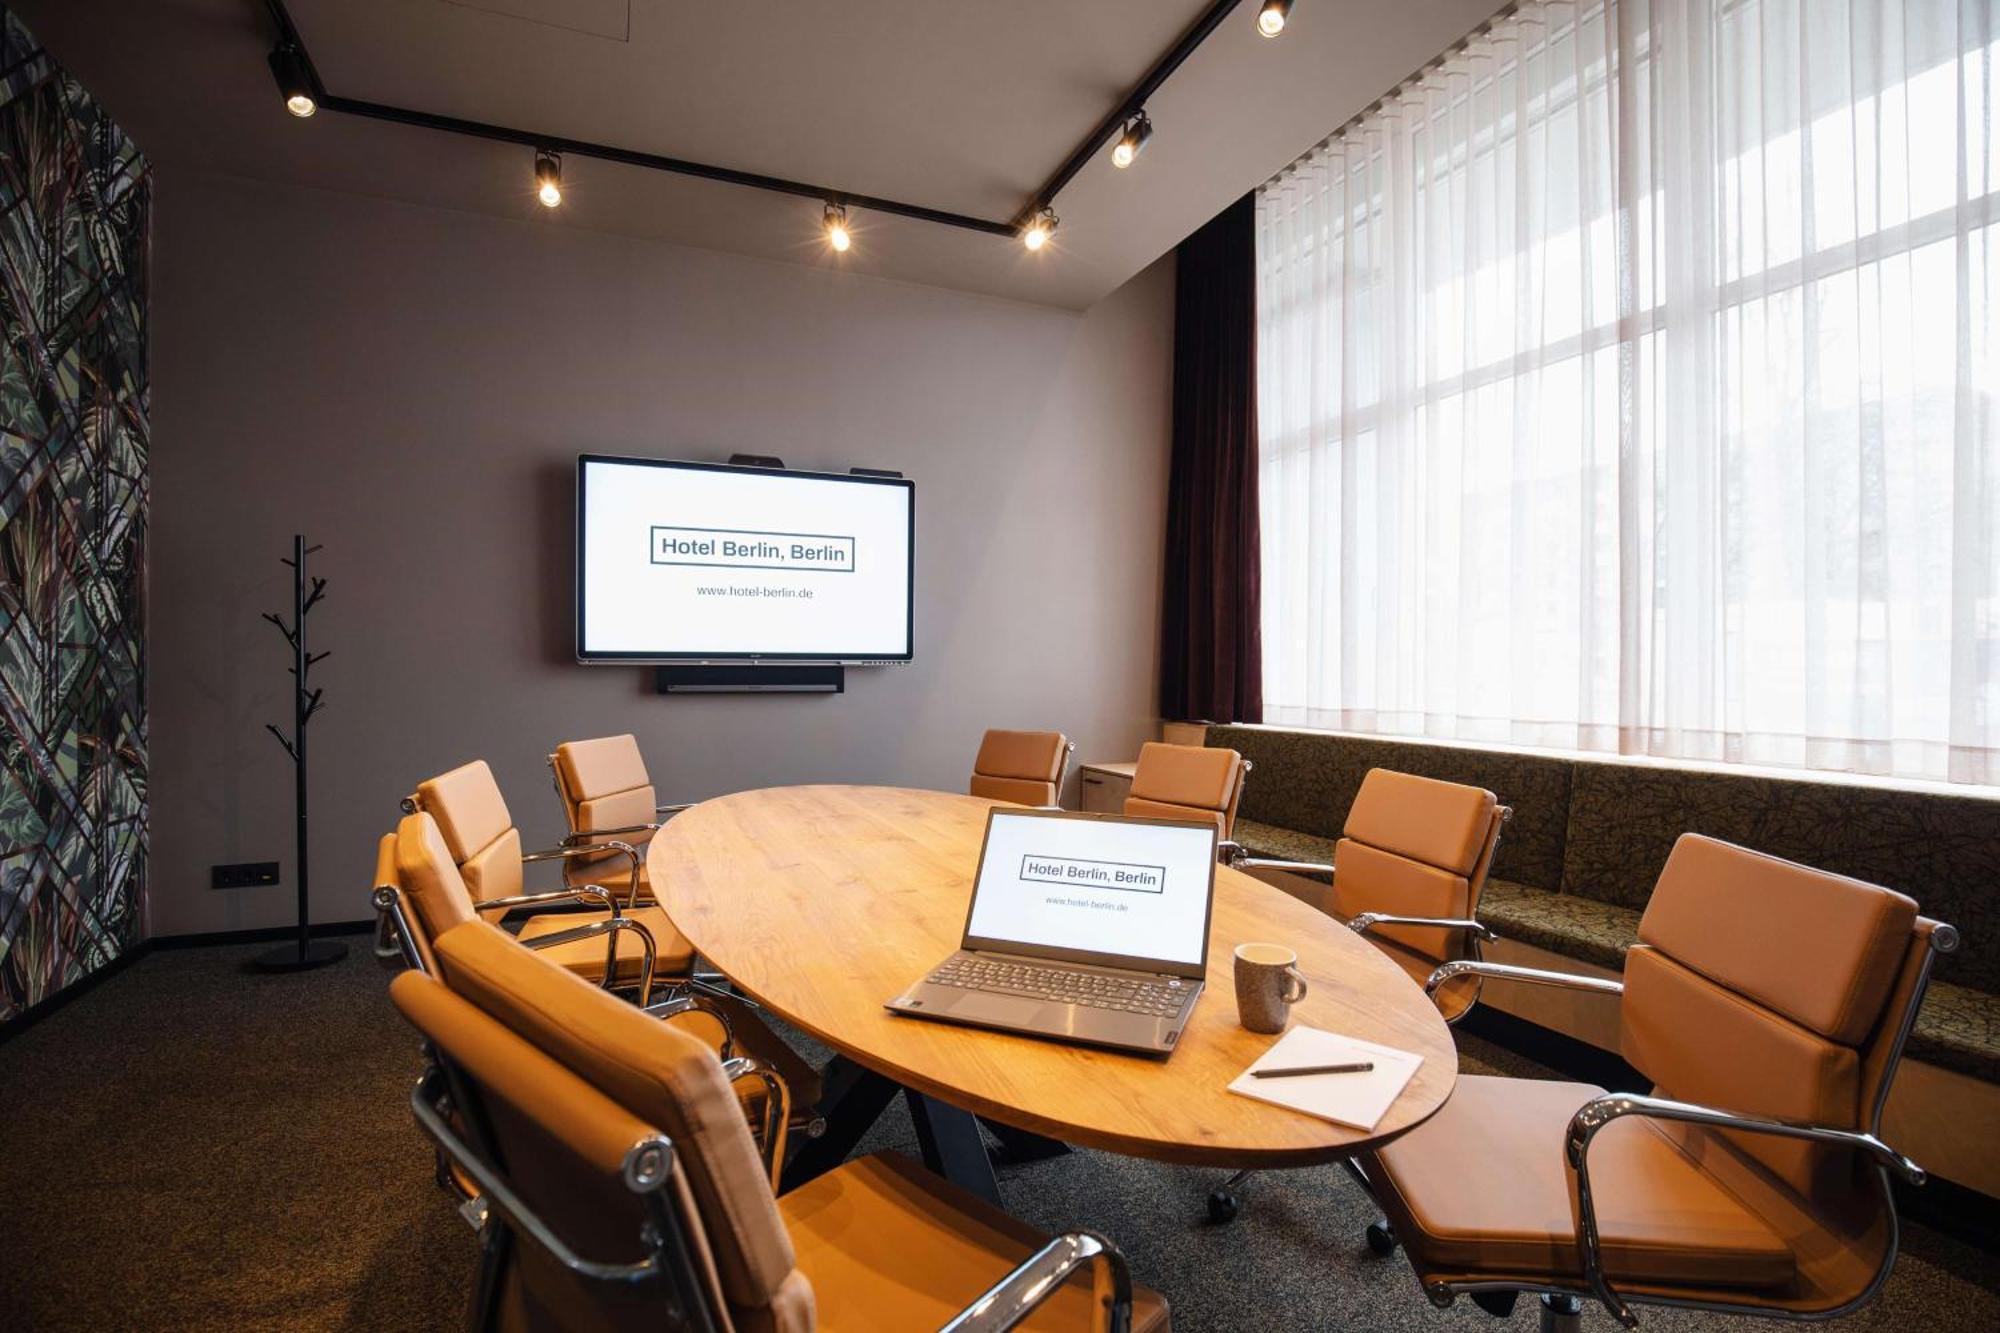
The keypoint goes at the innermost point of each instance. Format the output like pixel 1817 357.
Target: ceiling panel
pixel 965 107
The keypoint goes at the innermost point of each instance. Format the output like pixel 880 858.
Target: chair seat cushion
pixel 1484 1188
pixel 673 955
pixel 889 1247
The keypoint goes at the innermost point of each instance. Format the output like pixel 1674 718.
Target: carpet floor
pixel 192 1146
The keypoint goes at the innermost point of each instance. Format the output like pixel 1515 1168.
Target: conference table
pixel 823 902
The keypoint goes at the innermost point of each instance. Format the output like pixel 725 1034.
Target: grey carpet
pixel 191 1146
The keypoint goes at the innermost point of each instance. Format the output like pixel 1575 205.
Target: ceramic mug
pixel 1268 984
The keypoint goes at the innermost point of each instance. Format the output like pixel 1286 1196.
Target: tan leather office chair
pixel 623 1193
pixel 1769 1004
pixel 401 918
pixel 1026 767
pixel 1408 871
pixel 607 795
pixel 1188 782
pixel 1411 863
pixel 472 818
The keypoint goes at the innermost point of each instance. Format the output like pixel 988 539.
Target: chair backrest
pixel 568 1079
pixel 389 876
pixel 1416 847
pixel 477 827
pixel 1023 766
pixel 1771 989
pixel 1187 782
pixel 433 889
pixel 603 784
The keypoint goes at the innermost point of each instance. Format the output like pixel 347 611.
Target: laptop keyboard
pixel 1093 990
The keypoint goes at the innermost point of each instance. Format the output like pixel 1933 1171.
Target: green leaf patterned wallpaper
pixel 74 218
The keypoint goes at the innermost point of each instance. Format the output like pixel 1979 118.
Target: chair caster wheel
pixel 1382 1238
pixel 1222 1207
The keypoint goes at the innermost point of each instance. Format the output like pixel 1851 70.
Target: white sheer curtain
pixel 1626 383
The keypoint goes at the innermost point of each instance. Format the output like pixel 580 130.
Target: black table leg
pixel 1023 1145
pixel 851 1100
pixel 952 1146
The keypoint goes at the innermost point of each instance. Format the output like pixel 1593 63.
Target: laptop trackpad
pixel 1012 1010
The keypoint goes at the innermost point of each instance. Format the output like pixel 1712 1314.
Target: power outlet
pixel 243 875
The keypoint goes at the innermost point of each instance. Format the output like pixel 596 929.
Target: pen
pixel 1360 1068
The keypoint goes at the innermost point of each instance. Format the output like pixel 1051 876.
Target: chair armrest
pixel 647 1168
pixel 609 926
pixel 1235 855
pixel 568 853
pixel 595 894
pixel 1595 1114
pixel 1014 1297
pixel 689 1001
pixel 1289 867
pixel 389 917
pixel 581 838
pixel 1534 976
pixel 1367 921
pixel 777 1109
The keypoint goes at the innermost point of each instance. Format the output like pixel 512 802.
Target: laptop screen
pixel 1129 892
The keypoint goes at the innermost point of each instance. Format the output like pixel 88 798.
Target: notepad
pixel 1356 1100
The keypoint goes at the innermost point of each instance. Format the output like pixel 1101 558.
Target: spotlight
pixel 548 177
pixel 1036 234
pixel 1271 18
pixel 1133 141
pixel 837 234
pixel 288 66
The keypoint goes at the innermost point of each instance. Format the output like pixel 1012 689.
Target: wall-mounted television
pixel 706 562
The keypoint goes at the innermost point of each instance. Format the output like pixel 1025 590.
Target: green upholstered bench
pixel 1588 838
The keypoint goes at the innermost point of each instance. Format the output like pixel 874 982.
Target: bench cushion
pixel 1307 781
pixel 1283 844
pixel 1581 928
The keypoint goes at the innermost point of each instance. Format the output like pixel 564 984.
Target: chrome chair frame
pixel 1062 776
pixel 1560 1311
pixel 670 1254
pixel 777 1110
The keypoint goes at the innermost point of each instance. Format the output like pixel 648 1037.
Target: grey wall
pixel 409 386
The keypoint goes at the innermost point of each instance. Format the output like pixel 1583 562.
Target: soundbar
pixel 751 678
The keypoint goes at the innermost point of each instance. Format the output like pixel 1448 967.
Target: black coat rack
pixel 304 952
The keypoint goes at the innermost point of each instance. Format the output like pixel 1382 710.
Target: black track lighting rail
pixel 478 129
pixel 1135 102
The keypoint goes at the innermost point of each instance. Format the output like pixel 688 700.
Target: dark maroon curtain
pixel 1211 651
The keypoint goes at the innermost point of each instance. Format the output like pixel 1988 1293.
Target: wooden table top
pixel 825 902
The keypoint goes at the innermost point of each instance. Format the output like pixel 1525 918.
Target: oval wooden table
pixel 824 902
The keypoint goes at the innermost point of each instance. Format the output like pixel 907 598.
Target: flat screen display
pixel 705 562
pixel 1094 888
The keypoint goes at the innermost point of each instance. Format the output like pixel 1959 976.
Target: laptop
pixel 1084 928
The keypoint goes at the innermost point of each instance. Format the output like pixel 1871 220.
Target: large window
pixel 1627 383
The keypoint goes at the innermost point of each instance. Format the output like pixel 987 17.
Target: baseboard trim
pixel 49 1004
pixel 260 935
pixel 41 1009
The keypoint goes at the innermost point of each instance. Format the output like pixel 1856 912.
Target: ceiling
pixel 964 107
